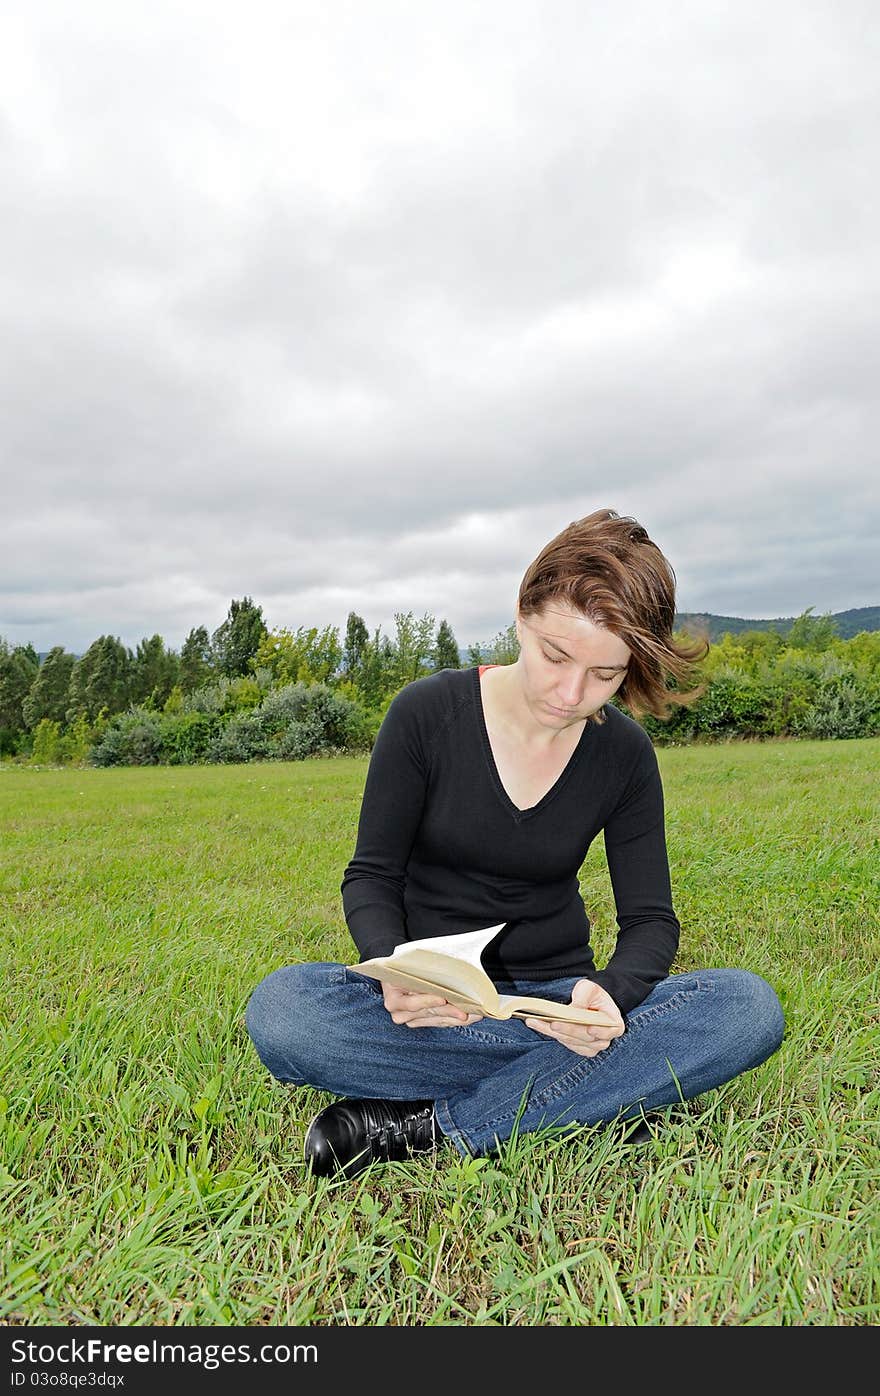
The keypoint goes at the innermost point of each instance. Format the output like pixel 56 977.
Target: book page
pixel 402 979
pixel 468 946
pixel 446 965
pixel 521 1006
pixel 434 973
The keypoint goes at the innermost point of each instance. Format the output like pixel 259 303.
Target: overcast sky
pixel 353 306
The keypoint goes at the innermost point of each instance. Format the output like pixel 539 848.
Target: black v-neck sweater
pixel 441 848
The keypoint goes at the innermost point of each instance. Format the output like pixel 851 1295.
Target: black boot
pixel 351 1134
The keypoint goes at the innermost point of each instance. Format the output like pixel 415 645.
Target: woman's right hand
pixel 424 1010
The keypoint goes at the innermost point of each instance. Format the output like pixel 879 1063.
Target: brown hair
pixel 606 567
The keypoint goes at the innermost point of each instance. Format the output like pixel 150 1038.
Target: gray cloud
pixel 350 307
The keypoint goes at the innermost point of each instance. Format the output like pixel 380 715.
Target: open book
pixel 450 965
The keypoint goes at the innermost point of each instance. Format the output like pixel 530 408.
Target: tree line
pixel 248 692
pixel 77 695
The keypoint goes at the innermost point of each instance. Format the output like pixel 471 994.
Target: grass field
pixel 150 1170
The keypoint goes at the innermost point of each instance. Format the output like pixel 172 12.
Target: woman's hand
pixel 424 1010
pixel 585 1041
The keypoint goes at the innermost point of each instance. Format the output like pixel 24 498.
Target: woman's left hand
pixel 585 1041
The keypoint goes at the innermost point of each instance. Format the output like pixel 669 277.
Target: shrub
pixel 301 739
pixel 188 736
pixel 794 692
pixel 209 698
pixel 241 738
pixel 133 738
pixel 225 696
pixel 733 704
pixel 331 721
pixel 841 708
pixel 77 741
pixel 47 742
pixel 290 723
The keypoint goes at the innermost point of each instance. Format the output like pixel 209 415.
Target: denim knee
pixel 760 1019
pixel 276 1017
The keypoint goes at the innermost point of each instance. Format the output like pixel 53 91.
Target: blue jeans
pixel 321 1025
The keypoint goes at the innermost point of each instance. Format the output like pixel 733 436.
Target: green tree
pixel 378 678
pixel 413 644
pixel 154 672
pixel 18 669
pixel 49 695
pixel 504 649
pixel 862 651
pixel 77 741
pixel 445 652
pixel 101 679
pixel 306 656
pixel 354 648
pixel 809 632
pixel 47 743
pixel 196 660
pixel 28 656
pixel 237 640
pixel 761 646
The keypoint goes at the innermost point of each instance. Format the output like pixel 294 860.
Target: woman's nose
pixel 571 690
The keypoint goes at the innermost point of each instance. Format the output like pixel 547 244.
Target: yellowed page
pixel 521 1006
pixel 434 974
pixel 447 965
pixel 393 974
pixel 468 945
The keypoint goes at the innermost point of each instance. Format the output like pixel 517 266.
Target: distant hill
pixel 848 623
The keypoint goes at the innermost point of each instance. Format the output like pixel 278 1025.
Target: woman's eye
pixel 603 678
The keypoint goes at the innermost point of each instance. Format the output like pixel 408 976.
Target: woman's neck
pixel 508 712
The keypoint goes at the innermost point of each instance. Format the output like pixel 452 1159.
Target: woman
pixel 485 788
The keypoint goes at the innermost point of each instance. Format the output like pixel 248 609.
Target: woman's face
pixel 568 666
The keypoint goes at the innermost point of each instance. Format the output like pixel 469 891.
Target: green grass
pixel 150 1169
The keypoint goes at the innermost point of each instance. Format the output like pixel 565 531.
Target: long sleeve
pixel 374 881
pixel 635 847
